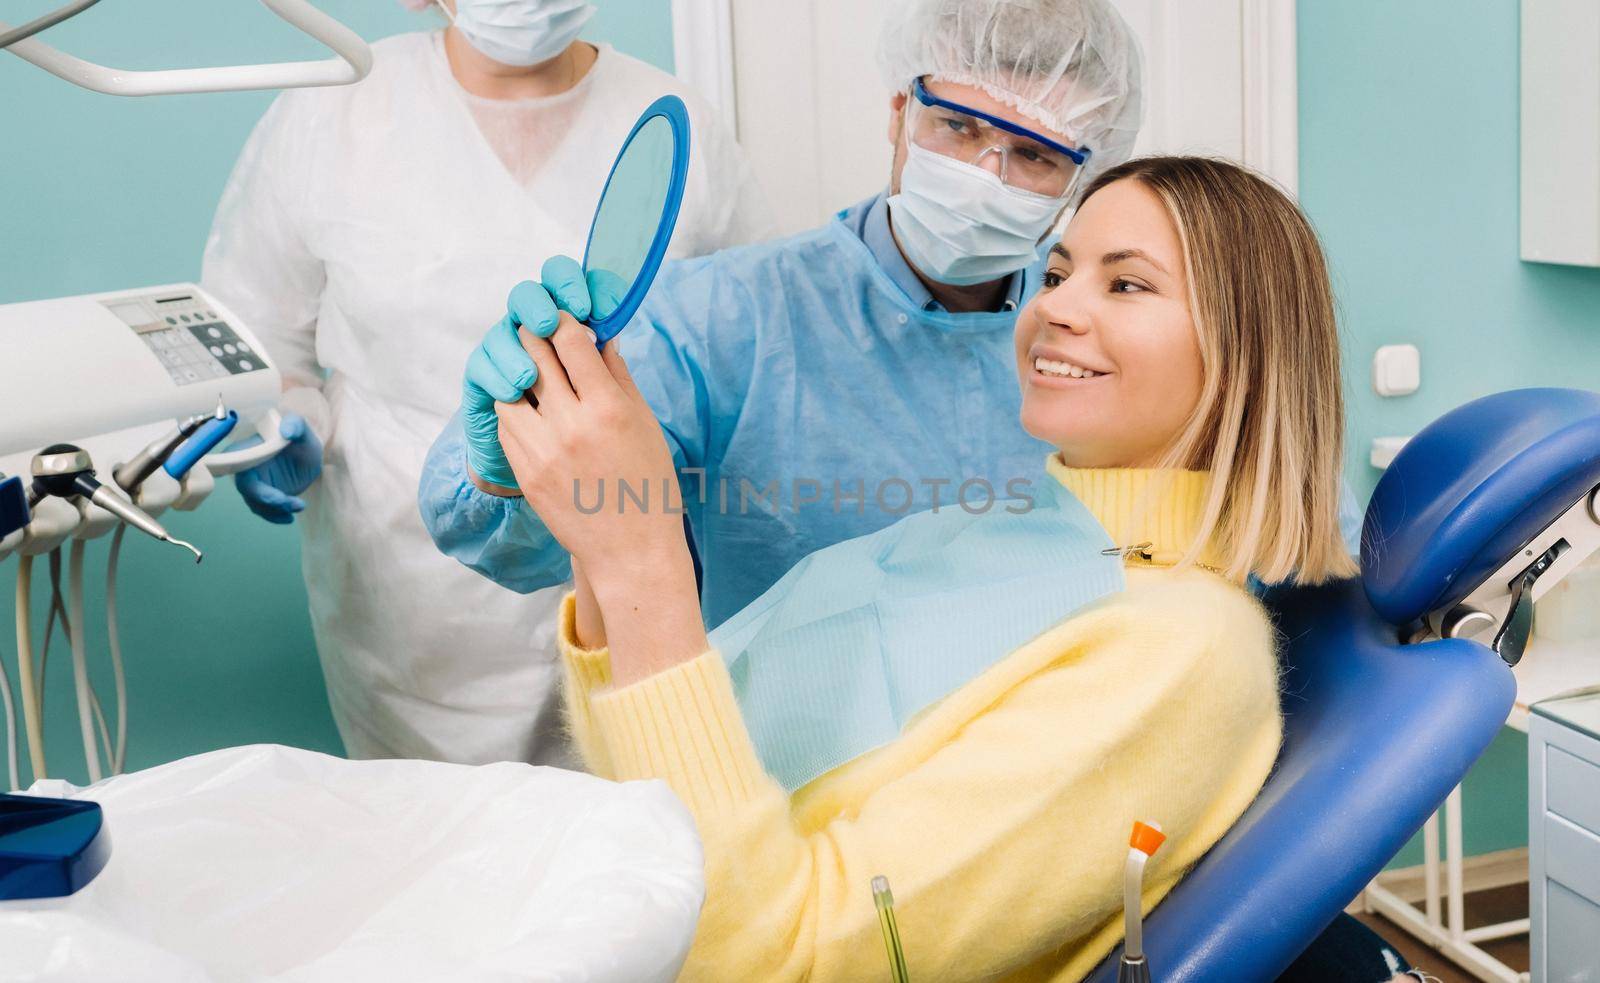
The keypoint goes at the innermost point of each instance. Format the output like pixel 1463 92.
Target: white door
pixel 801 78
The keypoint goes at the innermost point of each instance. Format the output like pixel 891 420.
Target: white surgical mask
pixel 521 32
pixel 960 224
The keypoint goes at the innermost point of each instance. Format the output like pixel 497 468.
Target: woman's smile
pixel 1055 369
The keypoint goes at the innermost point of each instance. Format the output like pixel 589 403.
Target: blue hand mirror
pixel 634 220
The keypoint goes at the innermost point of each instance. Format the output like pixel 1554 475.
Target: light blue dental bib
pixel 834 659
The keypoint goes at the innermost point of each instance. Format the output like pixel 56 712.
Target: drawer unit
pixel 1564 839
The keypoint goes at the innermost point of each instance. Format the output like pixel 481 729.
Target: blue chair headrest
pixel 1470 490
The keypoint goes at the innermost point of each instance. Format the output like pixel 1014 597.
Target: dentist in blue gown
pixel 820 387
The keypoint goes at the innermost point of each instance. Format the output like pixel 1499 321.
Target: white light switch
pixel 1397 370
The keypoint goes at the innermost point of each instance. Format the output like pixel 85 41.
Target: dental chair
pixel 1394 682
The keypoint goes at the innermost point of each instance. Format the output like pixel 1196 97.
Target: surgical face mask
pixel 960 224
pixel 520 32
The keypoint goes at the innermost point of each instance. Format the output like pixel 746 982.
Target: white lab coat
pixel 369 235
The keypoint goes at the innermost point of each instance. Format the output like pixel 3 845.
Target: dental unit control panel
pixel 191 340
pixel 77 367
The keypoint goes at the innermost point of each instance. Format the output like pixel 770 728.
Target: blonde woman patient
pixel 1206 430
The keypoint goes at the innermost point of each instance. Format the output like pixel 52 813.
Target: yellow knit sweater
pixel 1001 815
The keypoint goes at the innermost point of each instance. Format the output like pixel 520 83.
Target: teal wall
pixel 1408 167
pixel 103 193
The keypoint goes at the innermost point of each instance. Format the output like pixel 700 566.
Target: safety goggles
pixel 1029 161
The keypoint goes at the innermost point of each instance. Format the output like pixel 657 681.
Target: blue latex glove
pixel 500 370
pixel 607 290
pixel 271 489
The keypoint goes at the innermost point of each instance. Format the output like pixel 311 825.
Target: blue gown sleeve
pixel 500 538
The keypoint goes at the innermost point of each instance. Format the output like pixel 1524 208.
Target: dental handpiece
pixel 65 471
pixel 136 517
pixel 130 475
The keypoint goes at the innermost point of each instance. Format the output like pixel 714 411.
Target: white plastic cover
pixel 269 863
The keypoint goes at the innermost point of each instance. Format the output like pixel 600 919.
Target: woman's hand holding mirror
pixel 586 434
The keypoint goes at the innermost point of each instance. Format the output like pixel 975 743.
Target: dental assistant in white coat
pixel 367 234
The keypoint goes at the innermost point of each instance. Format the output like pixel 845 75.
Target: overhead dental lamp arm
pixel 354 64
pixel 54 17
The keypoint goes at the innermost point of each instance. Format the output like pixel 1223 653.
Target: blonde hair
pixel 1269 425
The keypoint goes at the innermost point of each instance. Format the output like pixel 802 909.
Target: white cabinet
pixel 1564 839
pixel 1560 131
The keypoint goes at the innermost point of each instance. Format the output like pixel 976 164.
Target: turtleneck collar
pixel 1161 507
